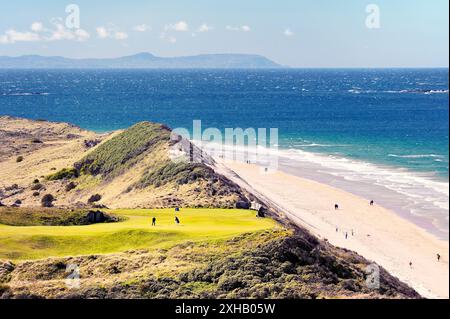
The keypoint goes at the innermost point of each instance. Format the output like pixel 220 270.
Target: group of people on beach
pixel 336 206
pixel 372 203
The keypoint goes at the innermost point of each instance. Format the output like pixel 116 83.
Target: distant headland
pixel 142 61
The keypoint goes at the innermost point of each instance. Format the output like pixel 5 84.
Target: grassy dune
pixel 136 232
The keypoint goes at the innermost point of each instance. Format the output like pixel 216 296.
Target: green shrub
pixel 49 217
pixel 94 198
pixel 47 200
pixel 65 173
pixel 70 186
pixel 3 289
pixel 37 187
pixel 12 187
pixel 180 173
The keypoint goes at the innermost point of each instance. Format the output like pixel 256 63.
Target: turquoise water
pixel 385 127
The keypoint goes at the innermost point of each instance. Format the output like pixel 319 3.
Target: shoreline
pixel 379 234
pixel 411 195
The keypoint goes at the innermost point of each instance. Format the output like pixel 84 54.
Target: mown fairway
pixel 136 232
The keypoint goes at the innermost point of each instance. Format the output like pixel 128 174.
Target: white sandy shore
pixel 378 234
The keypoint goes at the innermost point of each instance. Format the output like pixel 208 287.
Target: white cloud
pixel 37 27
pixel 168 38
pixel 62 33
pixel 102 32
pixel 142 28
pixel 180 26
pixel 16 36
pixel 111 33
pixel 243 28
pixel 82 35
pixel 205 28
pixel 231 28
pixel 40 33
pixel 4 39
pixel 121 35
pixel 288 33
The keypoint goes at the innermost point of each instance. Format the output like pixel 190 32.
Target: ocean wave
pixel 418 91
pixel 437 92
pixel 406 91
pixel 395 177
pixel 25 94
pixel 417 156
pixel 317 145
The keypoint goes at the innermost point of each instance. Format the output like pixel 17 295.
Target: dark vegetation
pixel 70 186
pixel 13 187
pixel 259 265
pixel 36 141
pixel 91 143
pixel 36 187
pixel 47 200
pixel 51 217
pixel 19 159
pixel 180 173
pixel 94 198
pixel 65 173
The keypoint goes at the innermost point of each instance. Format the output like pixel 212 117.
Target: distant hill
pixel 141 60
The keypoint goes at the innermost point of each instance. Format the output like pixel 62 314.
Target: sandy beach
pixel 372 231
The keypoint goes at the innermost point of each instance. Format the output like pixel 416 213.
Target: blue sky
pixel 313 33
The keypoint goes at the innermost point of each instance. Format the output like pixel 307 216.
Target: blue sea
pixel 386 129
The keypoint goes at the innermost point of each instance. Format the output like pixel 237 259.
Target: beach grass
pixel 134 232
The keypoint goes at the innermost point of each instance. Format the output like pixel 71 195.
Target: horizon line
pixel 281 66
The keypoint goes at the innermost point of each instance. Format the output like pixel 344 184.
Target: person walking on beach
pixel 336 206
pixel 177 221
pixel 372 202
pixel 346 235
pixel 410 264
pixel 438 257
pixel 154 221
